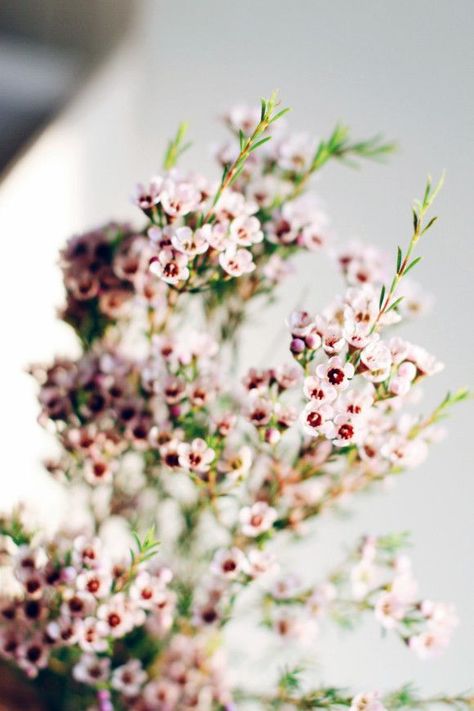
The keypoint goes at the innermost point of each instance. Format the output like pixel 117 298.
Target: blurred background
pixel 89 94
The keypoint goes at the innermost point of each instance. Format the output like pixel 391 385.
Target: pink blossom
pixel 129 678
pixel 286 587
pixel 77 604
pixel 405 453
pixel 345 429
pixel 256 519
pixel 264 189
pixel 189 242
pixel 87 551
pixel 362 264
pixel 289 625
pixel 399 349
pixel 319 390
pixel 277 269
pixel 162 695
pixel 116 616
pixel 236 261
pixel 315 417
pixel 146 590
pixel 256 380
pixel 260 562
pixel 64 630
pixel 295 152
pixel 161 237
pixel 314 237
pixel 416 302
pixel 32 655
pixel 441 616
pixel 357 335
pixel 370 701
pixel 243 118
pixel 196 457
pixel 232 204
pixel 429 644
pixel 378 360
pixel 147 196
pixel 357 402
pixel 300 323
pixel 259 411
pixel 92 635
pixel 98 471
pixel 426 363
pixel 170 265
pixel 287 376
pixel 95 582
pixel 179 198
pixel 389 609
pixel 364 578
pixel 333 340
pixel 336 373
pixel 236 465
pixel 28 560
pixel 320 599
pixel 245 230
pixel 400 384
pixel 228 563
pixel 91 670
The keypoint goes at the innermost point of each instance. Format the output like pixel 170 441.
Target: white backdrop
pixel 404 68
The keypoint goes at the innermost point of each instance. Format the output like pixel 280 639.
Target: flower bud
pixel 175 410
pixel 297 346
pixel 312 341
pixel 272 435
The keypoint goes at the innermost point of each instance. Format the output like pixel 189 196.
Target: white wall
pixel 404 68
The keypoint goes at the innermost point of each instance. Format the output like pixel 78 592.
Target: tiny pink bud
pixel 272 435
pixel 313 341
pixel 69 574
pixel 297 345
pixel 175 410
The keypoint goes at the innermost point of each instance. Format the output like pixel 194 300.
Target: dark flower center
pixel 335 376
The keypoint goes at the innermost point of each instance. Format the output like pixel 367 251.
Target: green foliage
pixel 13 528
pixel 176 147
pixel 340 146
pixel 452 399
pixel 441 411
pixel 185 599
pixel 392 543
pixel 290 679
pixel 147 547
pixel 404 262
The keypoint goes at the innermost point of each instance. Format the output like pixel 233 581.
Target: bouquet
pixel 202 475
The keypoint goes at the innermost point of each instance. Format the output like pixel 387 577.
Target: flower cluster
pixel 73 595
pixel 97 411
pixel 105 272
pixel 376 578
pixel 159 431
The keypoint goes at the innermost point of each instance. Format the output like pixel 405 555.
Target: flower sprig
pixel 340 146
pixel 268 116
pixel 405 263
pixel 441 411
pixel 377 579
pixel 290 694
